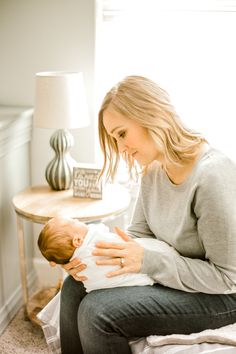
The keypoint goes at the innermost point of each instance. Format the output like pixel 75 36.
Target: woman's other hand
pixel 128 255
pixel 74 267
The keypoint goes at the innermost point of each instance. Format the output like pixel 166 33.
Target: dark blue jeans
pixel 103 321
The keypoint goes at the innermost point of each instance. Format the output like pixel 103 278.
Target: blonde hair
pixel 142 100
pixel 55 243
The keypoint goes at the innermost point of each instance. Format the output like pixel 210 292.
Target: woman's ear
pixel 77 241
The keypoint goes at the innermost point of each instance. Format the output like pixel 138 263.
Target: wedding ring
pixel 122 261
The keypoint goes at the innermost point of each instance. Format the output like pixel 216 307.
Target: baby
pixel 63 239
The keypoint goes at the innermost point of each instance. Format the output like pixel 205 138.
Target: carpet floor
pixel 23 337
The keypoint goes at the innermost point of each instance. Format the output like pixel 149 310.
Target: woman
pixel 187 203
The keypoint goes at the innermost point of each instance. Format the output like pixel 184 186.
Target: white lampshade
pixel 60 101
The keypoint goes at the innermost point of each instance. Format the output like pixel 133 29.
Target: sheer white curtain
pixel 188 47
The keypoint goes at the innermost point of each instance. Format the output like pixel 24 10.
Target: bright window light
pixel 188 49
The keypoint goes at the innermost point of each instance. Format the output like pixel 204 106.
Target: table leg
pixel 20 234
pixel 39 299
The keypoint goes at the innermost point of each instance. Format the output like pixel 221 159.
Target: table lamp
pixel 60 103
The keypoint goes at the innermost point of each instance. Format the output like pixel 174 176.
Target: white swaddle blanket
pixel 96 274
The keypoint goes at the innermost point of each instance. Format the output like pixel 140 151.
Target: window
pixel 188 47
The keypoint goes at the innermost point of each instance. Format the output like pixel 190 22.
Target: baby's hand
pixel 74 267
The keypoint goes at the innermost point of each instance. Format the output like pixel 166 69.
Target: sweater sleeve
pixel 215 208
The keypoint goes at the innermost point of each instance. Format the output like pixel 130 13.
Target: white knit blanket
pixel 223 335
pixel 221 341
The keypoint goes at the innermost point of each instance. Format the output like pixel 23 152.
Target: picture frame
pixel 86 182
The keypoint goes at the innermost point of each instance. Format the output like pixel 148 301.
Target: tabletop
pixel 41 203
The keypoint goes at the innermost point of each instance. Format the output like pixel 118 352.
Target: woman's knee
pixel 98 330
pixel 94 313
pixel 72 291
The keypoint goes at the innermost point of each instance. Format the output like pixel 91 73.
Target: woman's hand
pixel 130 252
pixel 74 267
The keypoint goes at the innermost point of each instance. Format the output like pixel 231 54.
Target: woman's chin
pixel 143 162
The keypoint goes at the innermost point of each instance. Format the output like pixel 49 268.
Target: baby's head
pixel 60 237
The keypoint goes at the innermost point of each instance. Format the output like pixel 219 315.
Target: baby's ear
pixel 52 264
pixel 77 241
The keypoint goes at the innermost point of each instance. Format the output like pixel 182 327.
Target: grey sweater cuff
pixel 156 260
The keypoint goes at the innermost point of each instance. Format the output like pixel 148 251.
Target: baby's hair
pixel 55 244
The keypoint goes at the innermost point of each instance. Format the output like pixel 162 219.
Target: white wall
pixel 15 135
pixel 47 35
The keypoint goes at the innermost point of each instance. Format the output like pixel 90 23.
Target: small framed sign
pixel 86 182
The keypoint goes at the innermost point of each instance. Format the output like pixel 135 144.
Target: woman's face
pixel 131 138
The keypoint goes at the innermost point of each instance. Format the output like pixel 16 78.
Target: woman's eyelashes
pixel 122 134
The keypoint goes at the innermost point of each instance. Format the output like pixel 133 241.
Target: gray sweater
pixel 191 226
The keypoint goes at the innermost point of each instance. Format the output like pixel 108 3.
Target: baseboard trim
pixel 15 301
